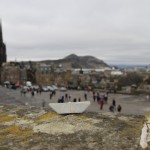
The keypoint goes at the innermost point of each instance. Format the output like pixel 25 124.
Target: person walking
pixel 66 97
pixel 69 98
pixel 51 95
pixel 106 97
pixel 111 108
pixel 85 96
pixel 114 102
pixel 32 93
pixel 101 102
pixel 79 99
pixel 94 97
pixel 119 108
pixel 43 103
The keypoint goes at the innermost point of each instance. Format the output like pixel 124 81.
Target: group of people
pixel 64 98
pixel 103 99
pixel 67 98
pixel 114 108
pixel 33 92
pixel 100 99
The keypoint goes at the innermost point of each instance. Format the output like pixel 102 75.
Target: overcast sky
pixel 115 31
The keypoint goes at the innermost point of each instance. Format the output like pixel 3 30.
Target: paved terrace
pixel 133 105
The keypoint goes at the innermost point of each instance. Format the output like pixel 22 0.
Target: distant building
pixel 11 72
pixel 44 68
pixel 116 72
pixel 3 56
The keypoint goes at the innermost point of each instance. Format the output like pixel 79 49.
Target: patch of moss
pixel 15 132
pixel 3 148
pixel 45 117
pixel 5 118
pixel 133 128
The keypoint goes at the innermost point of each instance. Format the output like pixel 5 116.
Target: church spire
pixel 1 36
pixel 3 56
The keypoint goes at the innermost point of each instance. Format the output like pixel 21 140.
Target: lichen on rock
pixel 25 127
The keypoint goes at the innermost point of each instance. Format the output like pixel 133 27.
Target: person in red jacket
pixel 101 102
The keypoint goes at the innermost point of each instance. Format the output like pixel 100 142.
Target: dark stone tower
pixel 3 56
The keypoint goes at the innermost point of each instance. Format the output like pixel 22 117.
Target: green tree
pixel 130 78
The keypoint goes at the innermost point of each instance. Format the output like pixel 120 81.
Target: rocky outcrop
pixel 25 127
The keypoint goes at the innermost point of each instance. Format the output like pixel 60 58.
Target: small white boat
pixel 70 107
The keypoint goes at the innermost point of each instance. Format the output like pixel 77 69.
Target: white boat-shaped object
pixel 70 107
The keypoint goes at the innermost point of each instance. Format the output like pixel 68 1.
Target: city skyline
pixel 116 32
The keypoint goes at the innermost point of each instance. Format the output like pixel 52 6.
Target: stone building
pixel 12 72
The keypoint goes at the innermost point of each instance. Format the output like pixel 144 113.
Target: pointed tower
pixel 1 37
pixel 2 48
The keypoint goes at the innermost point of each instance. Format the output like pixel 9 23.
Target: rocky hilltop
pixel 74 61
pixel 32 128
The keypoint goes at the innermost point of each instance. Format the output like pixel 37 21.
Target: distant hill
pixel 74 61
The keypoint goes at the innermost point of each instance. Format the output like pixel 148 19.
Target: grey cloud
pixel 115 31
